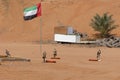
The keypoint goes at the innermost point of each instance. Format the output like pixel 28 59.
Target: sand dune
pixel 75 13
pixel 16 35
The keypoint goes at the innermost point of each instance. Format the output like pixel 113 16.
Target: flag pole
pixel 41 28
pixel 41 34
pixel 40 12
pixel 30 13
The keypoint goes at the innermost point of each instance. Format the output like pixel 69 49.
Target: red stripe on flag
pixel 39 9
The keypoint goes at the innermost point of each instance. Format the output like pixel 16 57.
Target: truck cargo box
pixel 66 38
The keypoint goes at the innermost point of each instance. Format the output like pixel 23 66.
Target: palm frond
pixel 103 24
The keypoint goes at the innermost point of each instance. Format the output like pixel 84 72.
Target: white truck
pixel 66 38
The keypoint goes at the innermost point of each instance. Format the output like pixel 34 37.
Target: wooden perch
pixel 14 59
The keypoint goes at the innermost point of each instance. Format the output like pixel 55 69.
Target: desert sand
pixel 73 65
pixel 74 13
pixel 20 37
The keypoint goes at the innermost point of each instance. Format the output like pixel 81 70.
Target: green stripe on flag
pixel 30 8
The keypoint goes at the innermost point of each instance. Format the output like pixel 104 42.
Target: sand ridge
pixel 75 13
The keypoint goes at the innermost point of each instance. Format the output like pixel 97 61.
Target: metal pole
pixel 41 29
pixel 41 34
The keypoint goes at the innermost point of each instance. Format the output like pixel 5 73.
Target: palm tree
pixel 103 24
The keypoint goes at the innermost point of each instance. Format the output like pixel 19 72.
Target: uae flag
pixel 32 12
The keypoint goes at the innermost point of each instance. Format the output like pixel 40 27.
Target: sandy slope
pixel 75 13
pixel 73 65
